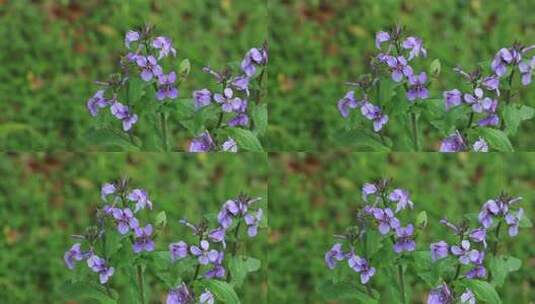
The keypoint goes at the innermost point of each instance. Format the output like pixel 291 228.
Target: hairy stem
pixel 141 284
pixel 401 283
pixel 236 234
pixel 457 272
pixel 495 247
pixel 163 125
pixel 508 95
pixel 414 126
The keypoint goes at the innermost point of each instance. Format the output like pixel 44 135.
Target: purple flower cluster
pixel 182 294
pixel 455 142
pixel 501 209
pixel 205 143
pixel 368 110
pixel 117 109
pixel 355 262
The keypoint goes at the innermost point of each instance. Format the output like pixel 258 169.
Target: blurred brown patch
pixel 321 14
pixel 286 84
pixel 11 235
pixel 71 12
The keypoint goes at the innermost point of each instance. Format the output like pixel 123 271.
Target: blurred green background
pixel 53 50
pixel 45 198
pixel 318 45
pixel 313 196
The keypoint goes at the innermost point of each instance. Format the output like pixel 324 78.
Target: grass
pixel 319 45
pixel 313 196
pixel 45 198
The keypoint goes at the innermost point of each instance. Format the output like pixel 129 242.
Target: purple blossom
pixel 73 255
pixel 106 190
pixel 452 98
pixel 478 235
pixel 362 266
pixel 503 58
pixel 439 250
pixel 415 45
pixel 165 45
pixel 178 250
pixel 180 295
pixel 97 102
pixel 490 120
pixel 347 103
pixel 480 146
pixel 202 98
pixel 241 83
pixel 468 297
pixel 492 83
pixel 526 70
pixel 513 220
pixel 252 222
pixel 399 67
pixel 227 101
pixel 125 220
pixel 99 266
pixel 402 198
pixel 141 197
pixel 149 67
pixel 166 88
pixel 374 113
pixel 124 114
pixel 230 145
pixel 440 295
pixel 417 87
pixel 143 239
pixel 381 37
pixel 206 297
pixel 334 255
pixel 204 254
pixel 489 209
pixel 478 271
pixel 368 189
pixel 253 57
pixel 464 253
pixel 240 119
pixel 404 239
pixel 386 220
pixel 451 226
pixel 130 37
pixel 453 143
pixel 202 143
pixel 217 271
pixel 217 235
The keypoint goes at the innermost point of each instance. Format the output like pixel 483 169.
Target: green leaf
pixel 496 139
pixel 421 219
pixel 483 291
pixel 110 139
pixel 184 68
pixel 525 222
pixel 501 266
pixel 361 139
pixel 85 291
pixel 344 291
pixel 246 139
pixel 260 119
pixel 239 266
pixel 435 67
pixel 222 290
pixel 514 114
pixel 161 219
pixel 136 90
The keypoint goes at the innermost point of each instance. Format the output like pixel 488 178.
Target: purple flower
pixel 347 103
pixel 124 114
pixel 374 113
pixel 241 83
pixel 440 295
pixel 439 250
pixel 503 58
pixel 180 295
pixel 97 102
pixel 386 220
pixel 381 37
pixel 362 266
pixel 149 67
pixel 526 70
pixel 230 145
pixel 106 190
pixel 227 101
pixel 480 146
pixel 468 297
pixel 404 241
pixel 253 57
pixel 206 297
pixel 130 37
pixel 464 253
pixel 203 143
pixel 143 239
pixel 490 120
pixel 204 254
pixel 335 254
pixel 165 45
pixel 492 83
pixel 417 88
pixel 166 88
pixel 125 220
pixel 452 98
pixel 478 271
pixel 513 221
pixel 217 271
pixel 453 143
pixel 202 98
pixel 399 67
pixel 368 189
pixel 252 222
pixel 217 235
pixel 178 250
pixel 240 119
pixel 416 46
pixel 402 198
pixel 141 197
pixel 451 226
pixel 74 254
pixel 489 209
pixel 478 235
pixel 99 266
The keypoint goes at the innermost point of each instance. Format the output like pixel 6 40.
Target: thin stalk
pixel 457 272
pixel 414 127
pixel 163 125
pixel 105 253
pixel 508 95
pixel 236 234
pixel 141 284
pixel 470 120
pixel 402 283
pixel 495 247
pixel 196 272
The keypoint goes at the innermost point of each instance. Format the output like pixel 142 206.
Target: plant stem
pixel 196 272
pixel 470 120
pixel 509 91
pixel 414 125
pixel 235 244
pixel 163 125
pixel 495 247
pixel 140 283
pixel 401 283
pixel 457 272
